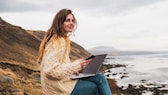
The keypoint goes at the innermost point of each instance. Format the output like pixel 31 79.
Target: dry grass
pixel 7 72
pixel 28 89
pixel 20 85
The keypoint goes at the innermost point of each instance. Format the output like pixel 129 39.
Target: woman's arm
pixel 52 66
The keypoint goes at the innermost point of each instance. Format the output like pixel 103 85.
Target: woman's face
pixel 69 23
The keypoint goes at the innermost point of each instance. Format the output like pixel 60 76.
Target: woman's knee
pixel 90 87
pixel 84 87
pixel 100 76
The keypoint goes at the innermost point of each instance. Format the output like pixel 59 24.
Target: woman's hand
pixel 84 62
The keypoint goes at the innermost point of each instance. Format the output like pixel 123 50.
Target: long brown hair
pixel 56 30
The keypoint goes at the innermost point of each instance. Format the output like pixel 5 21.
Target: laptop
pixel 92 68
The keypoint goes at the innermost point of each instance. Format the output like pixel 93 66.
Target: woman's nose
pixel 71 22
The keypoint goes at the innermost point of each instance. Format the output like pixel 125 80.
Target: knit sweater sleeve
pixel 52 65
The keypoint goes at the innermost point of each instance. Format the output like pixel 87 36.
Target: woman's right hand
pixel 84 62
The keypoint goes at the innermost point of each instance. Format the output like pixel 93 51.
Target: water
pixel 148 70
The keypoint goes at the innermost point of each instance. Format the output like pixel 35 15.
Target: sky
pixel 121 24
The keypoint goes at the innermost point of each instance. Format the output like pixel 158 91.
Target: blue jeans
pixel 96 85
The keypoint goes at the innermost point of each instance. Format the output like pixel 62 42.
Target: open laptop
pixel 92 68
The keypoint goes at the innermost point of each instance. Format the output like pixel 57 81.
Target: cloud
pixel 95 6
pixel 143 28
pixel 110 6
pixel 22 5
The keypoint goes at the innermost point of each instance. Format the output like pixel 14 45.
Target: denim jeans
pixel 96 85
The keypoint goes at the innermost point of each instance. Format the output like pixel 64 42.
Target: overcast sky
pixel 121 24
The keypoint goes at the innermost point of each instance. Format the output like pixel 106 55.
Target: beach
pixel 141 74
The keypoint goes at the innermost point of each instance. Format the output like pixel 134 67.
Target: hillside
pixel 19 73
pixel 18 55
pixel 17 46
pixel 110 51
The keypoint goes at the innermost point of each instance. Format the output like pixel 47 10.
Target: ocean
pixel 149 70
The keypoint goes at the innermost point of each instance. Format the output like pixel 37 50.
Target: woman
pixel 56 66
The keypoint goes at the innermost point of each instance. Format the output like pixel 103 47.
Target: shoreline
pixel 132 89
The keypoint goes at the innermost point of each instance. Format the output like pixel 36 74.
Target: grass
pixel 20 85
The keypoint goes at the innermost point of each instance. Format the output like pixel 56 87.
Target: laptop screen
pixel 94 66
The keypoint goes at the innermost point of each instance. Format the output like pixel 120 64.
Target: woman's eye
pixel 68 20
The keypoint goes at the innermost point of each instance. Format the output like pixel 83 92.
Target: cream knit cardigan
pixel 56 69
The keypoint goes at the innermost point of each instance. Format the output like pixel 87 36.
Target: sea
pixel 149 70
